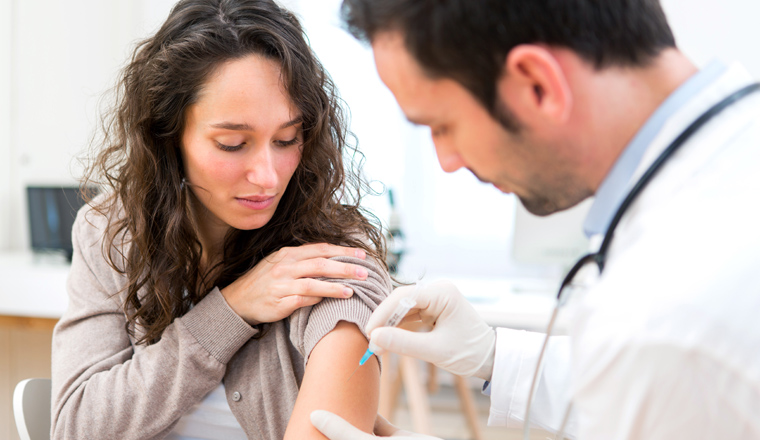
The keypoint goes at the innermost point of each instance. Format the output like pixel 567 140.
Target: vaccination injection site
pixel 368 219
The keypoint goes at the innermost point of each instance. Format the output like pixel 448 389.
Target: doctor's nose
pixel 448 157
pixel 260 169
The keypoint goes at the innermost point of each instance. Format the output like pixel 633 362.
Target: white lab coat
pixel 666 343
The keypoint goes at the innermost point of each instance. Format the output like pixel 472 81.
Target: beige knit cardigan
pixel 107 387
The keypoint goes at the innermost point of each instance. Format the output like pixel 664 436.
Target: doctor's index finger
pixel 419 345
pixel 387 307
pixel 431 300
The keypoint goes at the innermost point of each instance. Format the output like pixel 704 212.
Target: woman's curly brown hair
pixel 140 167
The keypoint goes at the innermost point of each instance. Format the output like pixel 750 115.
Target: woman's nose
pixel 261 169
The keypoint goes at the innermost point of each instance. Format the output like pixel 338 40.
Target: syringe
pixel 403 307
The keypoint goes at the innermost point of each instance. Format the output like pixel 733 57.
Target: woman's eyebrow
pixel 247 127
pixel 295 121
pixel 232 126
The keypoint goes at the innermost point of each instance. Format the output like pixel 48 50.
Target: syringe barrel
pixel 402 309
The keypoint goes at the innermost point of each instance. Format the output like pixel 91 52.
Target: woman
pixel 222 219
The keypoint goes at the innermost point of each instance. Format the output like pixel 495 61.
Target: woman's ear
pixel 534 86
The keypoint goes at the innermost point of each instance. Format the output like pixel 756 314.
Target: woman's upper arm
pixel 326 386
pixel 331 338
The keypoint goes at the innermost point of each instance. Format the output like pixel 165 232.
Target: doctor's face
pixel 241 145
pixel 467 136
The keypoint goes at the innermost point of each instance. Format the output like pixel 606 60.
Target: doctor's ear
pixel 534 86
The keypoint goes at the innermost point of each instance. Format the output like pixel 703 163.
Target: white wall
pixel 708 29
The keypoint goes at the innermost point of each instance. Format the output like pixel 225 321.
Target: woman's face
pixel 241 144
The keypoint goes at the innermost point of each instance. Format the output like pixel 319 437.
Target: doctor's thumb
pixel 334 427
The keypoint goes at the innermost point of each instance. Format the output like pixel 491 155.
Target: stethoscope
pixel 600 257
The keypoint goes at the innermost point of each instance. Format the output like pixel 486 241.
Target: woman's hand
pixel 284 281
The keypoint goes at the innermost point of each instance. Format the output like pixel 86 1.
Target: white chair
pixel 31 409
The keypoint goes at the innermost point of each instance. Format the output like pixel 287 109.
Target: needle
pixel 352 374
pixel 370 351
pixel 395 319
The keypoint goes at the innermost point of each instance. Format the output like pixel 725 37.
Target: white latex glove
pixel 335 428
pixel 460 341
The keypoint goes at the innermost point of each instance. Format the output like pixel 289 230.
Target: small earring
pixel 182 183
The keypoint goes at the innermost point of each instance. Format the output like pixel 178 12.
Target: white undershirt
pixel 210 419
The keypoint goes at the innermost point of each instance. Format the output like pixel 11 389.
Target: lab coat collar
pixel 616 184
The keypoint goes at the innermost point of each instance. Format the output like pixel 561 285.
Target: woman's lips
pixel 256 202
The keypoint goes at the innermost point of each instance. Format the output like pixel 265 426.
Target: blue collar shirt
pixel 617 183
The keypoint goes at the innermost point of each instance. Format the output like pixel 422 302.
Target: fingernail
pixel 373 347
pixel 361 272
pixel 360 253
pixel 347 292
pixel 377 336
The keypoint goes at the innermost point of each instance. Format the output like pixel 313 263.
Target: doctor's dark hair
pixel 140 166
pixel 468 40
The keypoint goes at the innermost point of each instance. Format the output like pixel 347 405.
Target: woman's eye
pixel 229 147
pixel 293 141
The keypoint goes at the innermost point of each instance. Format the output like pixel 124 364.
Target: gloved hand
pixel 335 428
pixel 460 341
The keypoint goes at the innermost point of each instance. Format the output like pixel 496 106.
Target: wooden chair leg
pixel 416 395
pixel 468 407
pixel 432 383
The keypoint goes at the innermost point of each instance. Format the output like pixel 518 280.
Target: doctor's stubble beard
pixel 546 199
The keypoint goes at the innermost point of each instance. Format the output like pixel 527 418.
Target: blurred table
pixel 521 303
pixel 33 285
pixel 32 299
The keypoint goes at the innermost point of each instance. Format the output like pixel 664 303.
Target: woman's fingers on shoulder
pixel 325 250
pixel 293 302
pixel 322 267
pixel 312 287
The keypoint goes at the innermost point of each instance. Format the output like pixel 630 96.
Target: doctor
pixel 557 101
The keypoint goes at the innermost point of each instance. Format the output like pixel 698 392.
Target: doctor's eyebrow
pixel 247 127
pixel 417 122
